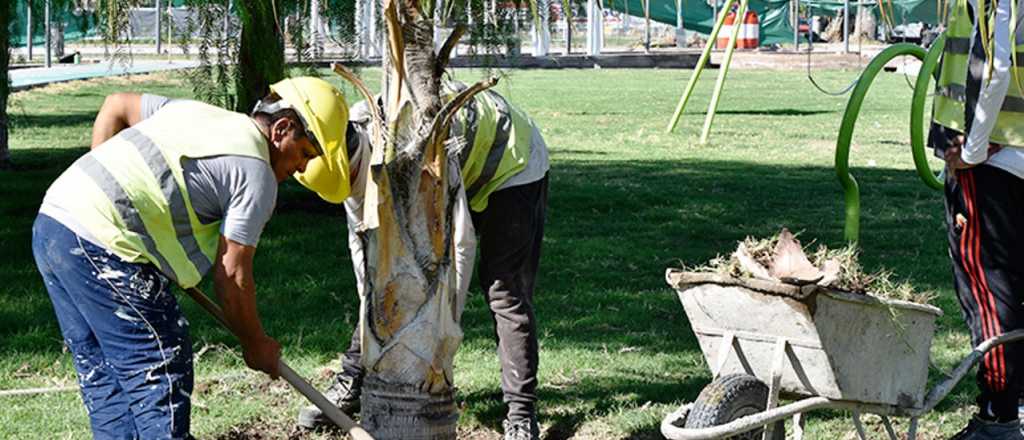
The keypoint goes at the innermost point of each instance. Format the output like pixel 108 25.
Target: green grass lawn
pixel 627 201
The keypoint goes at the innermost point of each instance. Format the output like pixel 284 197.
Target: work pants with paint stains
pixel 511 231
pixel 123 327
pixel 984 216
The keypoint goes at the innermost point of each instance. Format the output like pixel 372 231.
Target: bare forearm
pixel 119 111
pixel 237 294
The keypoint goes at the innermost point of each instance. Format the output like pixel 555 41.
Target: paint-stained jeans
pixel 127 336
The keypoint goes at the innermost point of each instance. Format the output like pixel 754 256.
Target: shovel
pixel 330 411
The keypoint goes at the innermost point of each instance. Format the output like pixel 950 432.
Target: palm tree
pixel 410 315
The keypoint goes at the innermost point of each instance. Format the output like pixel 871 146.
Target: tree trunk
pixel 410 316
pixel 260 52
pixel 6 13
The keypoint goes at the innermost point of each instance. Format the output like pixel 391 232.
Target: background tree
pixel 6 13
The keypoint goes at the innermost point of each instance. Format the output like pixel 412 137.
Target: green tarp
pixel 772 14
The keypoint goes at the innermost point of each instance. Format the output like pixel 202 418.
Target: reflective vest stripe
pixel 963 67
pixel 172 193
pixel 497 149
pixel 125 209
pixel 467 129
pixel 957 45
pixel 956 92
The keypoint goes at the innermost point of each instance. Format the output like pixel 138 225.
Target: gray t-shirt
pixel 239 190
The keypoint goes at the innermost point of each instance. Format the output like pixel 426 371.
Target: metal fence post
pixel 46 26
pixel 158 51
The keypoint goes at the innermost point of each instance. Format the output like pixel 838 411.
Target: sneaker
pixel 343 393
pixel 522 429
pixel 979 429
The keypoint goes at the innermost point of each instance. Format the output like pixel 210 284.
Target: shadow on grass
pixel 613 228
pixel 50 120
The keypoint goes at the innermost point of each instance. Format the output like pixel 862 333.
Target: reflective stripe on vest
pixel 498 145
pixel 950 89
pixel 130 192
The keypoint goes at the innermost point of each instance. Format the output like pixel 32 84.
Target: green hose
pixel 917 123
pixel 850 188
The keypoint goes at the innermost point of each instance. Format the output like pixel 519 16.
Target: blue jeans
pixel 124 329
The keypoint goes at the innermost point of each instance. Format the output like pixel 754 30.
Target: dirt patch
pixel 262 430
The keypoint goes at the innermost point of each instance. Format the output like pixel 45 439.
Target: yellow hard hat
pixel 325 114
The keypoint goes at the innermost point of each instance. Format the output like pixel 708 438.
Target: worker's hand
pixel 263 354
pixel 955 162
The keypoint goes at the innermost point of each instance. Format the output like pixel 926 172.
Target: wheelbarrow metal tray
pixel 839 345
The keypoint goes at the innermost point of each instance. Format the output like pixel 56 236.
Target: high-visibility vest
pixel 130 195
pixel 497 137
pixel 951 88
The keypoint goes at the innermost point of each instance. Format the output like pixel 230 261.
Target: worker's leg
pixel 351 361
pixel 144 340
pixel 984 214
pixel 54 248
pixel 511 230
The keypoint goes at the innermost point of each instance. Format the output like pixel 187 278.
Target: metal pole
pixel 846 26
pixel 541 34
pixel 46 27
pixel 158 27
pixel 796 25
pixel 647 26
pixel 438 12
pixel 594 28
pixel 714 10
pixel 722 72
pixel 28 30
pixel 680 29
pixel 704 56
pixel 227 21
pixel 568 31
pixel 314 27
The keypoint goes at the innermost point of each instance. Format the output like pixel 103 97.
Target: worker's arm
pixel 464 242
pixel 119 111
pixel 993 90
pixel 236 289
pixel 353 215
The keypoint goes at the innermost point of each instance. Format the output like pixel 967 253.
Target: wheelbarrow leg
pixel 888 428
pixel 798 426
pixel 861 434
pixel 912 431
pixel 776 430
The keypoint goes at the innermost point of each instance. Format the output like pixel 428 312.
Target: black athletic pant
pixel 510 232
pixel 985 220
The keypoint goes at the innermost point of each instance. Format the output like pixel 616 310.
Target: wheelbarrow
pixel 818 347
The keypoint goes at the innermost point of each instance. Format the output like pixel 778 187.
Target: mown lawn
pixel 627 200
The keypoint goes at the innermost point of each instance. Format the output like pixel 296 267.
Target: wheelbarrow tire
pixel 728 398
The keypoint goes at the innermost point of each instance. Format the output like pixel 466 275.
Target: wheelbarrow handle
pixel 329 410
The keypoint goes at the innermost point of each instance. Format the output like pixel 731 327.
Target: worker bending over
pixel 978 127
pixel 182 191
pixel 503 199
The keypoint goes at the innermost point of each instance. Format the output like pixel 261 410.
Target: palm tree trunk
pixel 410 315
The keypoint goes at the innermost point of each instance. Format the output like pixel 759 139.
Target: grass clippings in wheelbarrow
pixel 781 258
